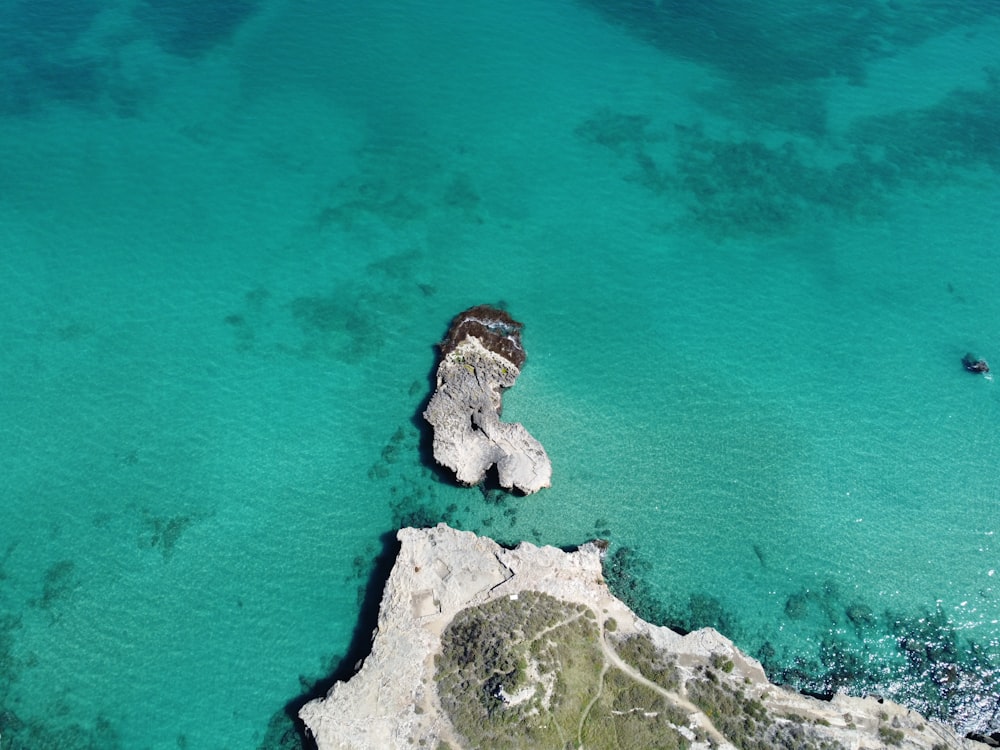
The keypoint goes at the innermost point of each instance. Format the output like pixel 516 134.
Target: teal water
pixel 750 250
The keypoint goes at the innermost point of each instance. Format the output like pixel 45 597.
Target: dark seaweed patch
pixel 51 20
pixel 190 28
pixel 349 320
pixel 460 194
pixel 336 325
pixel 625 571
pixel 36 65
pixel 861 616
pixel 282 733
pixel 923 661
pixel 362 198
pixel 59 582
pixel 625 134
pixel 352 320
pixel 10 665
pixel 602 529
pixel 23 733
pixel 962 130
pixel 703 611
pixel 801 42
pixel 245 322
pixel 741 187
pixel 414 499
pixel 164 532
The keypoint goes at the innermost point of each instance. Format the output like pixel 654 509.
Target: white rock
pixel 464 411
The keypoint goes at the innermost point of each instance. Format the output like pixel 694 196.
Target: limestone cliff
pixel 482 646
pixel 480 358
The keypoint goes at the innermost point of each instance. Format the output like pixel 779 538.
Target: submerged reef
pixel 922 660
pixel 740 186
pixel 807 42
pixel 481 357
pixel 191 29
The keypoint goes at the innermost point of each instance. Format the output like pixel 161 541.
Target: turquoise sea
pixel 750 243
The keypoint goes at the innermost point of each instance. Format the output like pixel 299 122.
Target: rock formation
pixel 974 364
pixel 480 357
pixel 450 660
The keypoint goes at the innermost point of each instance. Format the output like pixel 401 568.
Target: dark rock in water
pixel 481 356
pixel 494 328
pixel 990 740
pixel 973 364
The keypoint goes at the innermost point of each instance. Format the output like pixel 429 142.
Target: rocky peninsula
pixel 479 646
pixel 482 356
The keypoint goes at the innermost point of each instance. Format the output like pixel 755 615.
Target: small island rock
pixel 482 356
pixel 974 364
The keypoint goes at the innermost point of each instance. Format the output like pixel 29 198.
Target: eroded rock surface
pixel 451 589
pixel 480 358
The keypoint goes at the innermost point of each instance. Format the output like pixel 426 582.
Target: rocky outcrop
pixel 395 700
pixel 480 358
pixel 974 364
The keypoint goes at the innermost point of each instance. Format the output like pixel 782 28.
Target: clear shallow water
pixel 748 270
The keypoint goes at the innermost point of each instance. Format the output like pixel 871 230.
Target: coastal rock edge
pixel 393 701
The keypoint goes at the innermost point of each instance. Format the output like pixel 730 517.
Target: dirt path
pixel 597 697
pixel 694 713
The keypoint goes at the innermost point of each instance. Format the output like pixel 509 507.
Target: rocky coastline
pixel 426 684
pixel 481 357
pixel 482 646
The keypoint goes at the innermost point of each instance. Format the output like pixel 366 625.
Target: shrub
pixel 890 736
pixel 720 662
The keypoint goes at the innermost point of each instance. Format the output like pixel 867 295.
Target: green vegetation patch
pixel 630 715
pixel 656 666
pixel 721 663
pixel 746 722
pixel 531 673
pixel 519 672
pixel 890 736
